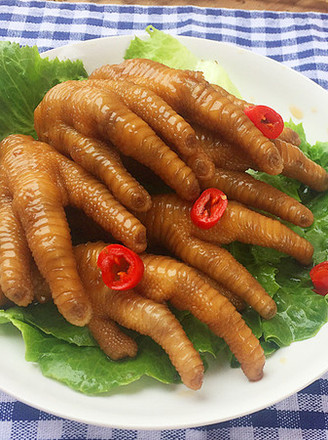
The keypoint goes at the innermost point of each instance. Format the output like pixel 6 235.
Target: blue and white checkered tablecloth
pixel 299 40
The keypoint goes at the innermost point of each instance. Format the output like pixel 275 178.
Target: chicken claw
pixel 100 160
pixel 166 279
pixel 168 124
pixel 244 188
pixel 36 183
pixel 144 309
pixel 295 164
pixel 96 111
pixel 168 223
pixel 15 256
pixel 231 178
pixel 198 101
pixel 133 311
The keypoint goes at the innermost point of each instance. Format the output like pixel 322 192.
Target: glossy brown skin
pixel 295 164
pixel 146 316
pixel 287 135
pixel 37 183
pixel 103 161
pixel 193 97
pixel 235 300
pixel 111 339
pixel 290 136
pixel 166 279
pixel 101 114
pixel 168 223
pixel 40 289
pixel 242 224
pixel 170 126
pixel 244 188
pixel 155 111
pixel 223 153
pixel 15 256
pixel 299 167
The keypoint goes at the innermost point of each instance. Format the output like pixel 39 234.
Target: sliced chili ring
pixel 319 277
pixel 267 120
pixel 208 208
pixel 121 268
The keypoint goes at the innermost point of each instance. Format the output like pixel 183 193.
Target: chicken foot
pixel 168 223
pixel 193 97
pixel 36 183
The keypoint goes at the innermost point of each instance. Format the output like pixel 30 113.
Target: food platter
pixel 226 393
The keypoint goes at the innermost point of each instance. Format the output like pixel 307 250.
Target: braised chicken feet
pixel 198 101
pixel 229 138
pixel 144 310
pixel 168 223
pixel 296 165
pixel 94 122
pixel 36 182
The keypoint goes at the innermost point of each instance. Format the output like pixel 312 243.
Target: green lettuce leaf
pixel 24 79
pixel 163 48
pixel 260 262
pixel 70 355
pixel 47 319
pixel 317 152
pixel 300 316
pixel 88 369
pixel 166 49
pixel 283 183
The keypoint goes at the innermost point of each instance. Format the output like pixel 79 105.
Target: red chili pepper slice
pixel 208 208
pixel 121 268
pixel 267 120
pixel 319 277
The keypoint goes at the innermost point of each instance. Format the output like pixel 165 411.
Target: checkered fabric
pixel 301 416
pixel 297 40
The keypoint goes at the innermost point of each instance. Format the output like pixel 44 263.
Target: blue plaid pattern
pixel 297 40
pixel 301 416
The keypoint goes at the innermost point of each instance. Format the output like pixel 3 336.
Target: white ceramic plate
pixel 226 393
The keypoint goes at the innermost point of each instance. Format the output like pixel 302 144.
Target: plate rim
pixel 168 426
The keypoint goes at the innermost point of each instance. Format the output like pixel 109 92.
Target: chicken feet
pixel 198 101
pixel 135 312
pixel 168 223
pixel 296 165
pixel 145 310
pixel 94 121
pixel 166 279
pixel 244 188
pixel 36 182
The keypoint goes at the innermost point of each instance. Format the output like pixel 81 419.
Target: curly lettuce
pixel 166 49
pixel 25 77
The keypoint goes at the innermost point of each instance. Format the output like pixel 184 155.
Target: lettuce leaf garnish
pixel 46 318
pixel 25 77
pixel 69 354
pixel 166 49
